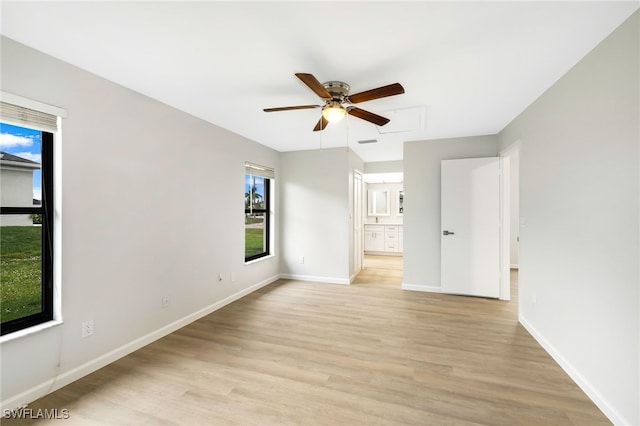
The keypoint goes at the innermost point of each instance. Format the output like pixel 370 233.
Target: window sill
pixel 260 259
pixel 28 331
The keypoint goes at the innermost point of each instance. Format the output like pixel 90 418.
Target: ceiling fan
pixel 338 101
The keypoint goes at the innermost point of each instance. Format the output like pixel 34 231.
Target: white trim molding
pixel 512 147
pixel 89 367
pixel 10 98
pixel 312 278
pixel 595 396
pixel 421 287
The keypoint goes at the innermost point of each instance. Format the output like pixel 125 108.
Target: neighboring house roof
pixel 7 159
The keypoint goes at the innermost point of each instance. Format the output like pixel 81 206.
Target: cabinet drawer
pixel 391 233
pixel 391 246
pixel 374 228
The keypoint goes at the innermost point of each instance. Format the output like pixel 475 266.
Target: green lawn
pixel 253 241
pixel 20 271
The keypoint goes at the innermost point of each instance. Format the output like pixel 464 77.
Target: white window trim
pixel 10 98
pixel 57 215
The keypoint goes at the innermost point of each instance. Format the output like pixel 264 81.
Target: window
pixel 257 211
pixel 26 217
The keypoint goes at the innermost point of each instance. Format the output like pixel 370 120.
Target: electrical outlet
pixel 301 260
pixel 164 302
pixel 87 328
pixel 233 277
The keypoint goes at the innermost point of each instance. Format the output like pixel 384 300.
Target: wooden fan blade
pixel 314 85
pixel 322 124
pixel 291 107
pixel 368 116
pixel 380 92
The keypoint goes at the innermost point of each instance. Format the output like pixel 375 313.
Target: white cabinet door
pixel 374 238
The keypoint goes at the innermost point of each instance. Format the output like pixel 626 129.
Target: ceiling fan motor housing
pixel 338 90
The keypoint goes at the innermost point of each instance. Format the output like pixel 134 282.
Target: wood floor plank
pixel 301 353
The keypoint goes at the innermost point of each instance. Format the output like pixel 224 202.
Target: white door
pixel 470 234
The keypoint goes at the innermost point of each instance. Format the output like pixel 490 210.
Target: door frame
pixel 505 218
pixel 358 220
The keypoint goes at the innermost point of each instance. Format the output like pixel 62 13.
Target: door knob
pixel 447 233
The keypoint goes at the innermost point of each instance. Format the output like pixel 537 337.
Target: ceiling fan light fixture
pixel 333 112
pixel 338 102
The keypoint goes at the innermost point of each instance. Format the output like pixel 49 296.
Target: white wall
pixel 422 203
pixel 314 189
pixel 384 166
pixel 579 195
pixel 152 202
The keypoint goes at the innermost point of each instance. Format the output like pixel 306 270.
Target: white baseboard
pixel 514 266
pixel 89 367
pixel 578 378
pixel 328 280
pixel 385 253
pixel 420 287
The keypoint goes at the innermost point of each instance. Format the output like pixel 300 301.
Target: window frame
pixel 267 219
pixel 46 209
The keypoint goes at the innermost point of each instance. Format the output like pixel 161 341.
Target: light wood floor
pixel 320 354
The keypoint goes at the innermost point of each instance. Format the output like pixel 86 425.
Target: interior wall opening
pixel 383 210
pixel 511 158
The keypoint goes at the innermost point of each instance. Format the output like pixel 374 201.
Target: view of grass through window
pixel 254 235
pixel 20 233
pixel 20 271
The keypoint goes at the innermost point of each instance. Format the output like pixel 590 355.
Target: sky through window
pixel 24 143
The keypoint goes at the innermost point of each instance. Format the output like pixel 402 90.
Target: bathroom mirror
pixel 378 203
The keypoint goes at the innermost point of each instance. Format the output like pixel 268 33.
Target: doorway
pixel 468 184
pixel 391 263
pixel 510 161
pixel 382 221
pixel 357 222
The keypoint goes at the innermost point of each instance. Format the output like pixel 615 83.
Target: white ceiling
pixel 468 68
